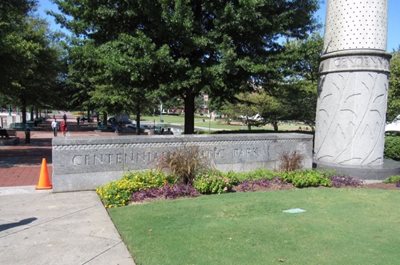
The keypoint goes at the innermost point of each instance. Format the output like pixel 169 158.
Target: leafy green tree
pixel 241 108
pixel 216 47
pixel 38 75
pixel 12 46
pixel 80 79
pixel 128 68
pixel 292 93
pixel 30 64
pixel 394 87
pixel 270 108
pixel 298 89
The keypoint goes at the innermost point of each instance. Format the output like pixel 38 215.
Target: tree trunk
pixel 31 119
pixel 23 110
pixel 105 118
pixel 36 112
pixel 88 116
pixel 138 119
pixel 275 125
pixel 189 113
pixel 248 123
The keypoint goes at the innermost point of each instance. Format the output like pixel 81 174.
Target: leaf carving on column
pixel 348 104
pixel 331 92
pixel 364 89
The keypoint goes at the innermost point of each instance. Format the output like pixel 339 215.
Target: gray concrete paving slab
pixel 45 206
pixel 57 228
pixel 43 245
pixel 115 255
pixel 16 190
pixel 10 226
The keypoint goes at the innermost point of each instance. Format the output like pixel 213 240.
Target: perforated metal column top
pixel 355 24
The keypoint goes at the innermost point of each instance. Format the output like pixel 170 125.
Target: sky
pixel 393 23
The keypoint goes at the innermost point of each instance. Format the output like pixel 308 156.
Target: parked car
pixel 122 118
pixel 132 127
pixel 256 117
pixel 394 126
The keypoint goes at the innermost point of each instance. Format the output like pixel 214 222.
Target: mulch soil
pixel 288 186
pixel 383 186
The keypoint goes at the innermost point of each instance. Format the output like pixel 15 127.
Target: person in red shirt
pixel 63 127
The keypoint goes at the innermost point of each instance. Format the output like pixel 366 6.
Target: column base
pixel 381 172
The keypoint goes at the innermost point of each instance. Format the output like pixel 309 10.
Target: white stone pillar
pixel 353 86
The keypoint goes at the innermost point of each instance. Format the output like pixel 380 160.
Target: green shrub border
pixel 392 179
pixel 118 193
pixel 392 147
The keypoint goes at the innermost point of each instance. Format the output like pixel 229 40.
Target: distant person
pixel 54 127
pixel 64 128
pixel 65 117
pixel 78 119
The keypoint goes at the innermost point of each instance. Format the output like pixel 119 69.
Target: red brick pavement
pixel 20 164
pixel 20 175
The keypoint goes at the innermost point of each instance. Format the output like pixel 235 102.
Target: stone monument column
pixel 353 86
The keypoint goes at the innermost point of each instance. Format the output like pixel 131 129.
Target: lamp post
pixel 161 109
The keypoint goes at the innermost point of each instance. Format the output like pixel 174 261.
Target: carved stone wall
pixel 84 164
pixel 353 87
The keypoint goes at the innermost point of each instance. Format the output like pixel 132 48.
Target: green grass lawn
pixel 205 122
pixel 340 226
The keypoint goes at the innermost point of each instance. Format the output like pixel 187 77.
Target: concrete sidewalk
pixel 41 227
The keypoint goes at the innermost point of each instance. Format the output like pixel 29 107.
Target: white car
pixel 256 117
pixel 394 126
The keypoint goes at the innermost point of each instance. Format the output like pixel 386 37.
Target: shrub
pixel 234 177
pixel 392 147
pixel 184 163
pixel 148 179
pixel 258 174
pixel 307 178
pixel 344 181
pixel 392 179
pixel 290 161
pixel 253 185
pixel 118 193
pixel 212 182
pixel 168 191
pixel 262 174
pixel 288 176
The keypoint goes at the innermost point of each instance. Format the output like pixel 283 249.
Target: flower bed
pixel 153 184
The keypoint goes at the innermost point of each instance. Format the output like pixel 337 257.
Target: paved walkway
pixel 41 227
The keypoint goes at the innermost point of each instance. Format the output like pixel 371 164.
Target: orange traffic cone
pixel 44 181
